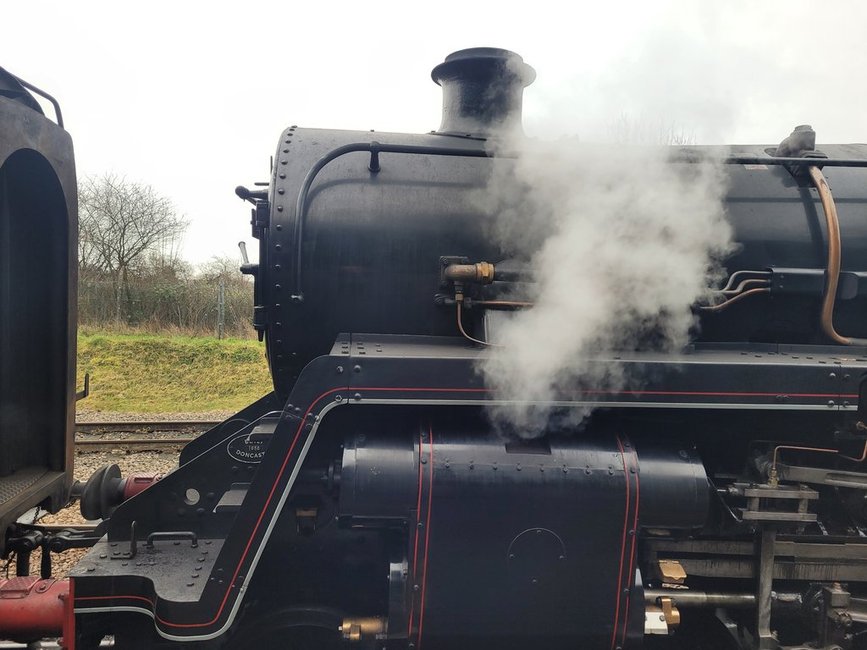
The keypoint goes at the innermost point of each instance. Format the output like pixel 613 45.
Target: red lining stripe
pixel 629 576
pixel 418 516
pixel 426 534
pixel 622 547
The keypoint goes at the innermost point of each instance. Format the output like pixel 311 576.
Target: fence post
pixel 221 309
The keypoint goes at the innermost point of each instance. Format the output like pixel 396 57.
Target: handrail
pixel 374 148
pixel 58 115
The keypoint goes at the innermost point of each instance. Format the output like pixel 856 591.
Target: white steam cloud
pixel 620 243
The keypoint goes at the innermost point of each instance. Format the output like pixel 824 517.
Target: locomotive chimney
pixel 482 90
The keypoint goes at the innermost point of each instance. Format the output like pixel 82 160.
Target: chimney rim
pixel 463 63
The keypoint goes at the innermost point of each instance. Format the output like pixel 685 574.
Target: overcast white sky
pixel 190 97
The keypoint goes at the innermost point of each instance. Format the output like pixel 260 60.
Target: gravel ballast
pixel 143 462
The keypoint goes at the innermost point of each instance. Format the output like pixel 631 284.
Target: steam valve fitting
pixel 479 273
pixel 358 628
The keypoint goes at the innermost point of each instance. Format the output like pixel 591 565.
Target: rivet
pixel 356 368
pixel 357 397
pixel 280 190
pixel 278 287
pixel 278 247
pixel 282 162
pixel 279 227
pixel 339 370
pixel 279 208
pixel 282 175
pixel 286 150
pixel 830 403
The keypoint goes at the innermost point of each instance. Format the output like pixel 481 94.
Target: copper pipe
pixel 857 460
pixel 740 296
pixel 503 303
pixel 832 271
pixel 772 471
pixel 823 450
pixel 743 285
pixel 464 332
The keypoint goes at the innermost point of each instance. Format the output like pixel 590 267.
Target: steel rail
pixel 156 425
pixel 130 444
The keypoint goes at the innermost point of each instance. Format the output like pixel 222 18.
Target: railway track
pixel 151 426
pixel 128 436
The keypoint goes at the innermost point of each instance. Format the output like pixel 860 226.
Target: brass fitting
pixel 672 572
pixel 670 612
pixel 479 273
pixel 358 628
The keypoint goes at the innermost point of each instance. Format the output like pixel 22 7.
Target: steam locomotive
pixel 369 502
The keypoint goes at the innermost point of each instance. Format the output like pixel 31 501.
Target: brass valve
pixel 479 273
pixel 358 628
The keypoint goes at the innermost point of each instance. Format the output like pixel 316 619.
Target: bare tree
pixel 120 224
pixel 625 130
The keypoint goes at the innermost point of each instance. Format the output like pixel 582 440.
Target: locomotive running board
pixel 377 369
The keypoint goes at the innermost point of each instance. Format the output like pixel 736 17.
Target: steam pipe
pixel 832 271
pixel 481 273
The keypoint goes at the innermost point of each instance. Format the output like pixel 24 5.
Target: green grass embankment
pixel 150 373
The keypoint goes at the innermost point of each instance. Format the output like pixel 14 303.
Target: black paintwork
pixel 38 306
pixel 416 372
pixel 372 242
